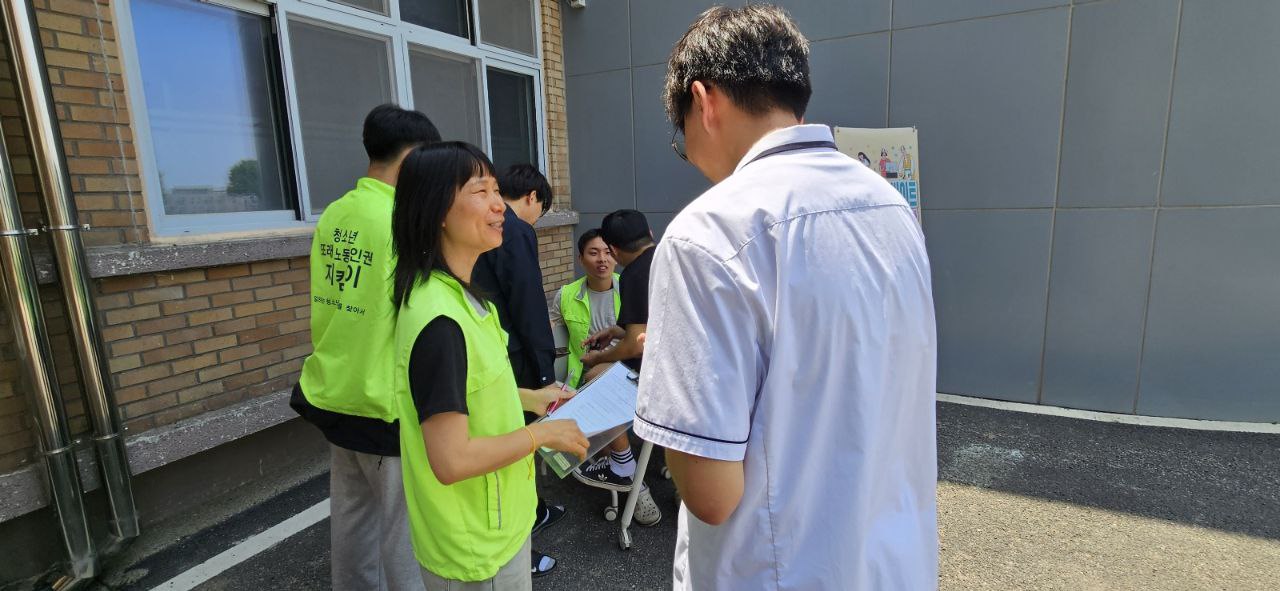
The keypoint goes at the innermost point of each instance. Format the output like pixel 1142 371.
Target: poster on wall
pixel 893 152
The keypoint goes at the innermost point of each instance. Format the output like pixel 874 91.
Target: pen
pixel 556 403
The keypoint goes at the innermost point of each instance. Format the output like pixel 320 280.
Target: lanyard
pixel 774 151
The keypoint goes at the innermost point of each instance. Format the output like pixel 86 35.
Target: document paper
pixel 603 409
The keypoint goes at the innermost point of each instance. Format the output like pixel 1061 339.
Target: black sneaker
pixel 601 475
pixel 546 516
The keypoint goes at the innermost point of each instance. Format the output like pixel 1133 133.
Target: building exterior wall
pixel 1099 193
pixel 554 244
pixel 192 327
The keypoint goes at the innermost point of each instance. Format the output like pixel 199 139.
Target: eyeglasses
pixel 677 144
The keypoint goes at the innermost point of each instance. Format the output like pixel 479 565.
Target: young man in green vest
pixel 588 305
pixel 346 388
pixel 626 233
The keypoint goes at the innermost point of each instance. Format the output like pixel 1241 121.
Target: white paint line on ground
pixel 246 549
pixel 1107 417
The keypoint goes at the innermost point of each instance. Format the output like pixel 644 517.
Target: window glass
pixel 209 80
pixel 512 118
pixel 508 23
pixel 446 88
pixel 449 16
pixel 339 76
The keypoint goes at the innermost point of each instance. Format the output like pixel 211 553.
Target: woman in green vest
pixel 466 454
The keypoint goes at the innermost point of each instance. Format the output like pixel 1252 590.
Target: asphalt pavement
pixel 1025 502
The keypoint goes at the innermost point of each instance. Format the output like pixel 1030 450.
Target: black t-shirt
pixel 359 434
pixel 511 277
pixel 633 290
pixel 438 369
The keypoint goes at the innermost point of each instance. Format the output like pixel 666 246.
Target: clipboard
pixel 604 409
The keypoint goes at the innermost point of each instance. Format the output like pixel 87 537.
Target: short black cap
pixel 624 227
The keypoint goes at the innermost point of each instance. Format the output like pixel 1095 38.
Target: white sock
pixel 622 463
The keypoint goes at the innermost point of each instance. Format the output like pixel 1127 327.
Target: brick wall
pixel 17 439
pixel 189 341
pixel 192 341
pixel 85 75
pixel 556 254
pixel 557 120
pixel 179 344
pixel 555 245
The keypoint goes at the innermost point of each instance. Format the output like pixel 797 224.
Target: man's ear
pixel 702 99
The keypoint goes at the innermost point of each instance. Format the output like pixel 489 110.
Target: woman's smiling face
pixel 474 221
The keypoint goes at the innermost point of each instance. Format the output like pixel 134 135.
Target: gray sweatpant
pixel 515 575
pixel 369 525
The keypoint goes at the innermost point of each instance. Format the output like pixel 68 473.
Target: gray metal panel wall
pixel 1101 196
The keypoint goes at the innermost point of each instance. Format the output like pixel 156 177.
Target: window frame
pixel 476 57
pixel 169 225
pixel 498 50
pixel 403 37
pixel 540 111
pixel 342 21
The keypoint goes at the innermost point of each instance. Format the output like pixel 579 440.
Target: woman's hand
pixel 561 435
pixel 537 401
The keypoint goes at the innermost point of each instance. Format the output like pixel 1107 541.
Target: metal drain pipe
pixel 32 81
pixel 32 338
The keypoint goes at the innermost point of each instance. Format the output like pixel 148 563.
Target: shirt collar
pixel 786 135
pixel 582 291
pixel 371 185
pixel 510 216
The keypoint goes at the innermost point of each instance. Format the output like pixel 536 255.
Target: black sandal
pixel 542 564
pixel 546 516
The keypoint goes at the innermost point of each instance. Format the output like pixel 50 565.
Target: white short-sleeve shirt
pixel 791 327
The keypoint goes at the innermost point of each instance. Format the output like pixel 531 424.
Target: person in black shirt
pixel 511 277
pixel 627 233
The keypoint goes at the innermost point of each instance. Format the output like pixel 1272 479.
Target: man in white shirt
pixel 791 350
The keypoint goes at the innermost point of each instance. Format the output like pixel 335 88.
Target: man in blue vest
pixel 346 388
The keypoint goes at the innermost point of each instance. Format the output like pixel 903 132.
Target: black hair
pixel 388 130
pixel 755 54
pixel 626 230
pixel 428 183
pixel 519 179
pixel 586 237
pixel 635 245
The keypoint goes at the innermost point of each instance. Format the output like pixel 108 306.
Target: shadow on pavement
pixel 1220 480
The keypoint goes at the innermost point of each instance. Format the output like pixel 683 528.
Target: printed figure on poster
pixel 893 153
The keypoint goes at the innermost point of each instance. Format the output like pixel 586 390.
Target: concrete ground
pixel 1025 502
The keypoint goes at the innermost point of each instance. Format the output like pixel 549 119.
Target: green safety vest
pixel 575 308
pixel 352 313
pixel 468 530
